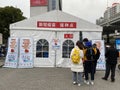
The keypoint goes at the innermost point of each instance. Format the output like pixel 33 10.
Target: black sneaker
pixel 104 78
pixel 112 80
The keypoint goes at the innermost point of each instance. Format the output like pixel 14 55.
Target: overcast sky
pixel 89 10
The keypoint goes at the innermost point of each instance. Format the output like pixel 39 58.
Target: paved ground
pixel 50 79
pixel 2 59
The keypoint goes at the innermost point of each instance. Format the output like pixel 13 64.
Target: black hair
pixel 94 44
pixel 85 40
pixel 79 44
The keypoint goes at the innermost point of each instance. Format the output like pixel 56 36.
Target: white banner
pixel 26 53
pixel 101 60
pixel 12 54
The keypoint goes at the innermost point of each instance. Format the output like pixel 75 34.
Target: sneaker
pixel 74 82
pixel 87 82
pixel 112 80
pixel 92 83
pixel 104 78
pixel 79 84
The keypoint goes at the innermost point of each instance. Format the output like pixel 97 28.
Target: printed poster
pixel 12 54
pixel 26 53
pixel 101 60
pixel 117 43
pixel 55 44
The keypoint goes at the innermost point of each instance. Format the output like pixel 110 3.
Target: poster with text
pixel 101 60
pixel 55 44
pixel 12 53
pixel 26 53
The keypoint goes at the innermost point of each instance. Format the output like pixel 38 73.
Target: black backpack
pixel 90 54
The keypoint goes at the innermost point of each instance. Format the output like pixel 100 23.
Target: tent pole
pixel 55 50
pixel 80 36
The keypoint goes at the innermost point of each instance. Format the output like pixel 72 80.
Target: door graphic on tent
pixel 42 49
pixel 67 43
pixel 63 60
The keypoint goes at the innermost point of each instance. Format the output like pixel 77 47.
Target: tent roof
pixel 56 16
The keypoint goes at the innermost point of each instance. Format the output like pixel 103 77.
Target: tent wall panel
pixel 92 35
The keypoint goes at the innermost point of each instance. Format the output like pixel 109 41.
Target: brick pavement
pixel 50 79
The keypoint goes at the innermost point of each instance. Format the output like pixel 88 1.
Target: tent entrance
pixel 53 50
pixel 67 41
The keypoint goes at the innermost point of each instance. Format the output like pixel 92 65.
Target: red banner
pixel 38 2
pixel 68 35
pixel 45 24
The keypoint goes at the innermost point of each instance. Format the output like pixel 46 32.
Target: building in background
pixel 55 5
pixel 110 23
pixel 109 14
pixel 38 7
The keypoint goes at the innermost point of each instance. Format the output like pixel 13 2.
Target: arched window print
pixel 67 46
pixel 42 48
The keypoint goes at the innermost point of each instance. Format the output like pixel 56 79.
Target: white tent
pixel 54 27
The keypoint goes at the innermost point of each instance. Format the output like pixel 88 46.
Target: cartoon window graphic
pixel 67 46
pixel 26 45
pixel 12 45
pixel 42 48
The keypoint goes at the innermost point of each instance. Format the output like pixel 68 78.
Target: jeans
pixel 77 77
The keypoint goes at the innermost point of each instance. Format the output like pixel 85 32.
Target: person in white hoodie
pixel 77 69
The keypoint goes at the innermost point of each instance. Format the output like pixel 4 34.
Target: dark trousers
pixel 95 65
pixel 89 68
pixel 110 67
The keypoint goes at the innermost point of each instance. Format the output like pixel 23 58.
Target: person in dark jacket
pixel 84 58
pixel 89 64
pixel 111 61
pixel 96 56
